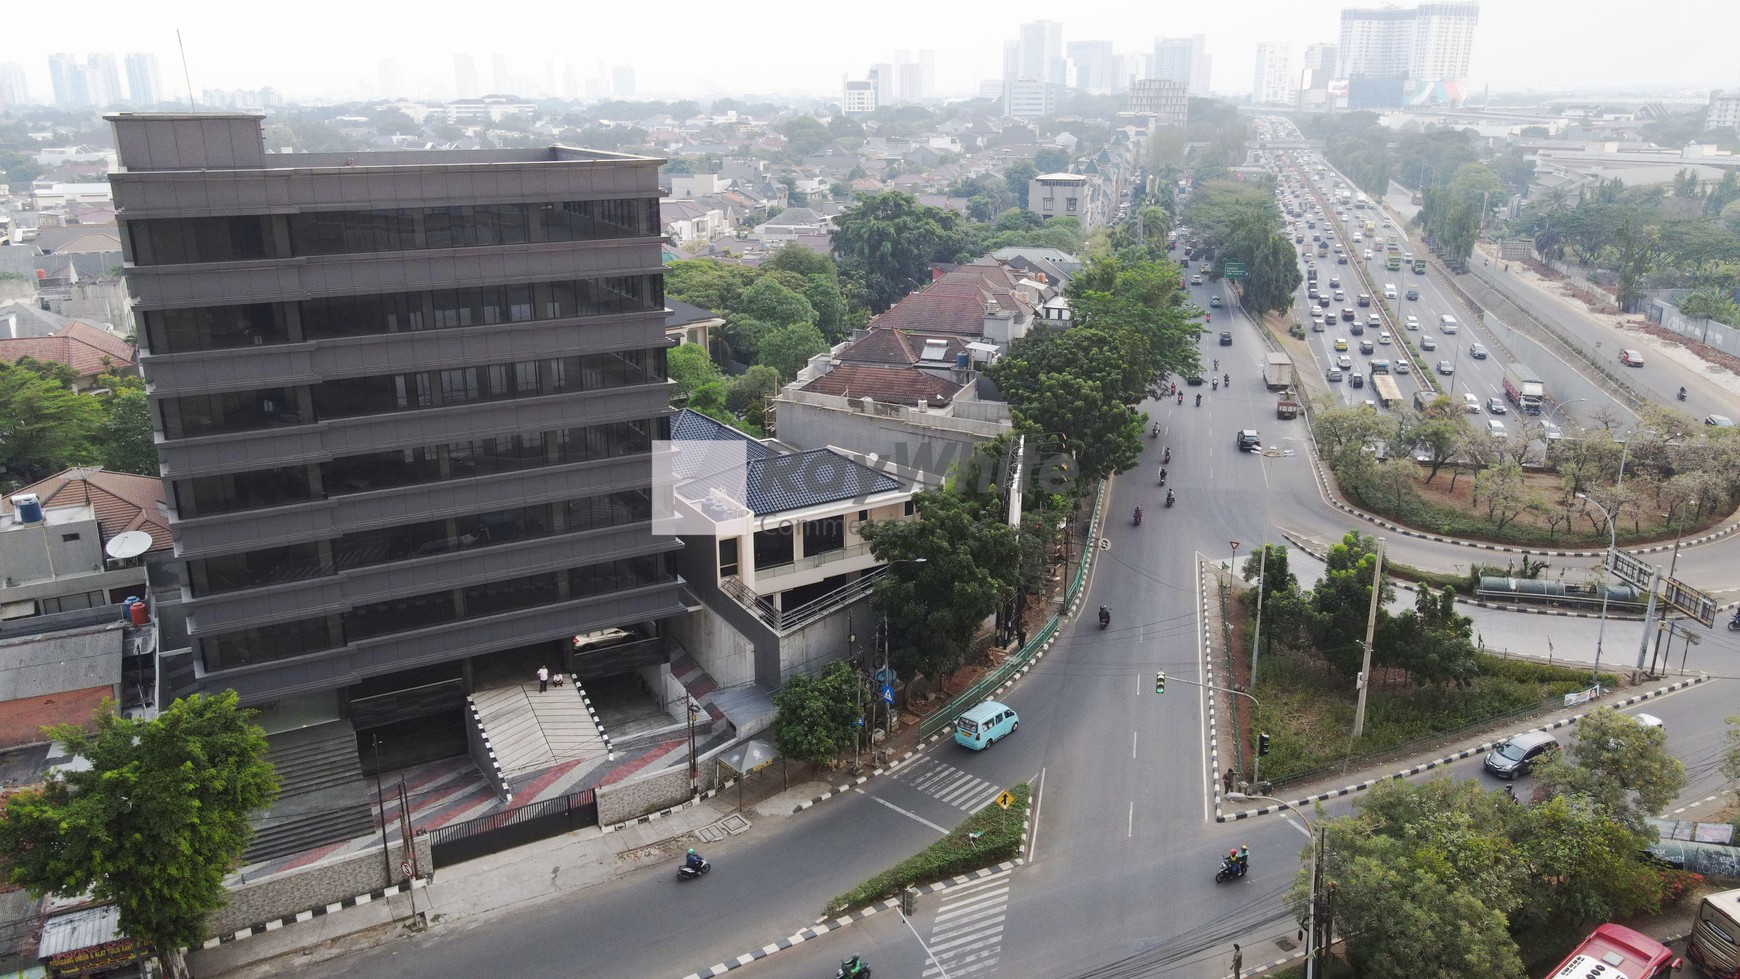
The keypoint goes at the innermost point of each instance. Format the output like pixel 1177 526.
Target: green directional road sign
pixel 1236 270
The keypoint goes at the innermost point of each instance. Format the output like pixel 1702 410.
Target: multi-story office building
pixel 1158 103
pixel 858 97
pixel 1182 59
pixel 144 81
pixel 1273 83
pixel 882 77
pixel 1095 66
pixel 1443 40
pixel 405 403
pixel 105 80
pixel 1039 51
pixel 1029 99
pixel 465 77
pixel 14 86
pixel 622 81
pixel 1419 54
pixel 911 77
pixel 1723 111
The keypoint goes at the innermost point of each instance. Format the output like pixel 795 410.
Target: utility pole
pixel 1377 583
pixel 1257 633
pixel 1649 614
pixel 1312 910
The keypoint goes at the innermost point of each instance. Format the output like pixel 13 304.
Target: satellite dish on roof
pixel 131 543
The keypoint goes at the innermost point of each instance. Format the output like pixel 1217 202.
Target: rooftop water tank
pixel 29 507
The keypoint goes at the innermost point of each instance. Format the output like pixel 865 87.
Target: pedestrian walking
pixel 1021 637
pixel 1226 781
pixel 543 678
pixel 1238 960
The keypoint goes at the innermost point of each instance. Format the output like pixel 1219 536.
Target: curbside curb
pixel 826 925
pixel 312 913
pixel 1484 746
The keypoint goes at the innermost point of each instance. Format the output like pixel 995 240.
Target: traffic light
pixel 909 901
pixel 1160 683
pixel 1262 744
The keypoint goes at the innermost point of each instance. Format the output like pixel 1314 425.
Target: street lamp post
pixel 1612 542
pixel 1314 949
pixel 1661 623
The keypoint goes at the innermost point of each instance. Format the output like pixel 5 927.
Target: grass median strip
pixel 989 836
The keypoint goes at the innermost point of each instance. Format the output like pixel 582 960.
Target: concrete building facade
pixel 405 403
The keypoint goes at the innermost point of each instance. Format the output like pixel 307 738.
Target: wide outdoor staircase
pixel 529 730
pixel 322 797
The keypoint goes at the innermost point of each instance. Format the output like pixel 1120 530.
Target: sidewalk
pixel 490 886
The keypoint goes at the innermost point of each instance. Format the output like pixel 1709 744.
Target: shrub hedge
pixel 1309 716
pixel 954 854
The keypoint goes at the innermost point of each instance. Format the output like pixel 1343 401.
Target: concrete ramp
pixel 531 731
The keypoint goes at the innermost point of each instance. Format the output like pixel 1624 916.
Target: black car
pixel 1347 314
pixel 1226 339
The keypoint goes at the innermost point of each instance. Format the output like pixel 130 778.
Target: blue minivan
pixel 985 724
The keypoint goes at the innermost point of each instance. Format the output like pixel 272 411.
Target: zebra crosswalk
pixel 948 784
pixel 967 935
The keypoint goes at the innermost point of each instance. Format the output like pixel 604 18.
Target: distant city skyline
pixel 335 51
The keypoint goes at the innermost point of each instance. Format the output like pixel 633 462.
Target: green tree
pixel 154 824
pixel 805 135
pixel 787 349
pixel 1432 641
pixel 1443 438
pixel 888 241
pixel 743 335
pixel 45 425
pixel 1730 764
pixel 49 370
pixel 1104 435
pixel 1578 863
pixel 774 304
pixel 708 283
pixel 1342 599
pixel 822 289
pixel 690 367
pixel 818 716
pixel 1620 764
pixel 935 606
pixel 1051 159
pixel 1017 176
pixel 127 441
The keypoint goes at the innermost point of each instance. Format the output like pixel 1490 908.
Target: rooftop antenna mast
pixel 192 106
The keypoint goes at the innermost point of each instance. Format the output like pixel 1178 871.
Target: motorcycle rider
pixel 853 966
pixel 693 861
pixel 1230 863
pixel 1181 397
pixel 1215 384
pixel 1138 516
pixel 1168 497
pixel 1682 394
pixel 1199 401
pixel 1226 380
pixel 1105 615
pixel 1167 455
pixel 1244 859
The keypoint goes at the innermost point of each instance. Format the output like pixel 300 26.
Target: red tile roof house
pixel 979 299
pixel 90 351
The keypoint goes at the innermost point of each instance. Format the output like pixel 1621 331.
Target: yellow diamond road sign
pixel 1005 799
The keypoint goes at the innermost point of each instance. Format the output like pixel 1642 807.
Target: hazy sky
pixel 310 48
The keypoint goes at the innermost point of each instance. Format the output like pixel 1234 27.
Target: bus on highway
pixel 1393 263
pixel 1419 266
pixel 1715 943
pixel 1612 951
pixel 1387 391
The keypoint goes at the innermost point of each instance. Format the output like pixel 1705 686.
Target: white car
pixel 1366 254
pixel 1384 337
pixel 1412 322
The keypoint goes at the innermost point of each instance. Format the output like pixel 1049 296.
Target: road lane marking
pixel 908 814
pixel 1132 829
pixel 1038 800
pixel 1133 735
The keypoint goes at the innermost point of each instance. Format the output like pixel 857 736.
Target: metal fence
pixel 508 828
pixel 945 715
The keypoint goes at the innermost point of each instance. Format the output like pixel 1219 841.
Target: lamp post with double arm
pixel 1612 543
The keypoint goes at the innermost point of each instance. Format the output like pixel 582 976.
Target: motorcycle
pixel 1138 516
pixel 853 968
pixel 1199 401
pixel 686 872
pixel 1105 616
pixel 1214 385
pixel 1226 380
pixel 1734 623
pixel 1168 497
pixel 1154 432
pixel 1162 475
pixel 1166 457
pixel 1682 394
pixel 1181 397
pixel 1229 870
